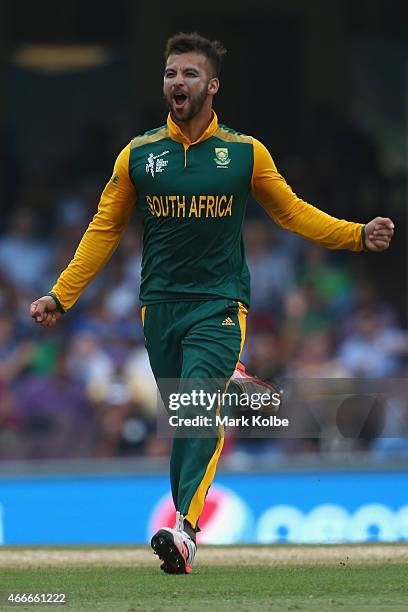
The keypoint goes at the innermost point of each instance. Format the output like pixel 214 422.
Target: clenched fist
pixel 378 234
pixel 45 311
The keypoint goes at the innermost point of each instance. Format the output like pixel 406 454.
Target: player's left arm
pixel 294 214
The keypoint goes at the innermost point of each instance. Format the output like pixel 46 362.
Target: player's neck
pixel 193 128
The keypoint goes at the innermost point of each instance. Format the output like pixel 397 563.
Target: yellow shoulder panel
pixel 223 134
pixel 139 141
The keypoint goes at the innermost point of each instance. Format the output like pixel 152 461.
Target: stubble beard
pixel 196 103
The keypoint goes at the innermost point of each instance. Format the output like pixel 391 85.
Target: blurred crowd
pixel 85 389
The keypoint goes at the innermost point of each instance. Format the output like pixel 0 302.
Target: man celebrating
pixel 191 179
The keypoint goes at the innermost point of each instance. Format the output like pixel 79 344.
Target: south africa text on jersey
pixel 182 206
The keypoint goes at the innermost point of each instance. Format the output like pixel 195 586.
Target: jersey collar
pixel 176 134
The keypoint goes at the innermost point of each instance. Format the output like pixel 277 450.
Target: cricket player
pixel 190 179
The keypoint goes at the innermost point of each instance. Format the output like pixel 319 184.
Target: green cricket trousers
pixel 194 340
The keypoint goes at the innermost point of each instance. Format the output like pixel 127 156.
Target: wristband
pixel 58 303
pixel 363 242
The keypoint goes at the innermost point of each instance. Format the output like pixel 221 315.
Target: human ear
pixel 213 86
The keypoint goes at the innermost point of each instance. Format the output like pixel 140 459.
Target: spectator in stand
pixel 315 358
pixel 124 426
pixel 330 280
pixel 271 266
pixel 374 349
pixel 90 363
pixel 54 414
pixel 15 355
pixel 23 258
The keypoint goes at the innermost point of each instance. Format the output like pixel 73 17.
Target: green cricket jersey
pixel 192 197
pixel 193 204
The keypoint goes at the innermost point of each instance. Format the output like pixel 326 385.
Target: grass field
pixel 372 578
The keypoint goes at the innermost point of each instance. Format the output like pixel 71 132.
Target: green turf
pixel 372 588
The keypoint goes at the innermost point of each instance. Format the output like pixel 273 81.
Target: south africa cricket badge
pixel 221 157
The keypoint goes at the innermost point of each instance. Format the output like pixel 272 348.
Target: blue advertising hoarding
pixel 320 507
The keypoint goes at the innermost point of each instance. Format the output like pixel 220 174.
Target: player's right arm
pixel 96 247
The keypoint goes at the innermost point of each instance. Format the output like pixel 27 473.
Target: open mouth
pixel 179 100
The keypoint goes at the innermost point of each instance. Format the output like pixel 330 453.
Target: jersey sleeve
pixel 102 236
pixel 271 190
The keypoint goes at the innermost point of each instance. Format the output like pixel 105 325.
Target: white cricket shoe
pixel 175 548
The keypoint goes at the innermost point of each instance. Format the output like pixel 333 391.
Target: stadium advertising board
pixel 313 507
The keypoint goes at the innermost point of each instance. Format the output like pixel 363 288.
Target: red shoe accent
pixel 184 552
pixel 240 369
pixel 241 374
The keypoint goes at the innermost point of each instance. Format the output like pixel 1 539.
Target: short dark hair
pixel 193 42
